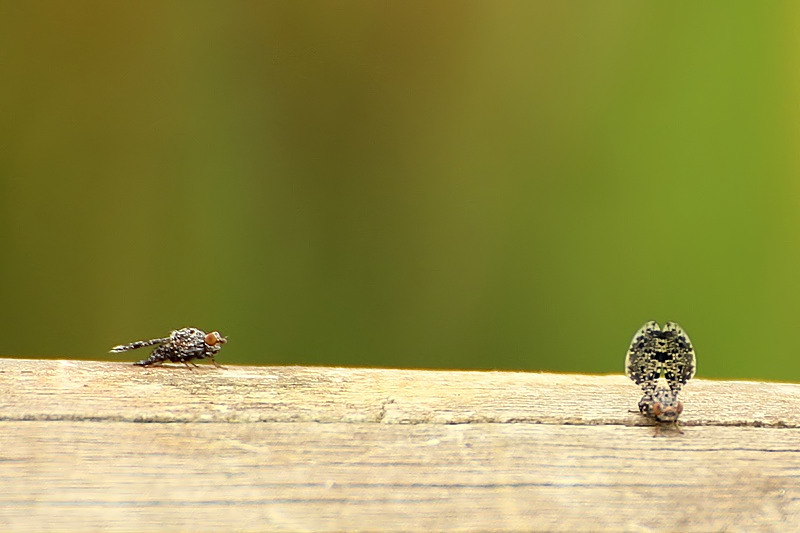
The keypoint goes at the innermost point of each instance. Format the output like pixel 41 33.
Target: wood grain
pixel 92 445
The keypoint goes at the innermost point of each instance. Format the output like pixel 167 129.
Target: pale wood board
pixel 93 445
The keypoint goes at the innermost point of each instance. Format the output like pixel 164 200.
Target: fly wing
pixel 679 360
pixel 641 363
pixel 136 345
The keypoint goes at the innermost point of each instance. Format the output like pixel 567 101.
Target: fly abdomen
pixel 159 355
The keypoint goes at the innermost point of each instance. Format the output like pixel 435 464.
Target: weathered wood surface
pixel 94 445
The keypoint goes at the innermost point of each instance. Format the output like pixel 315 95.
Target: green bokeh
pixel 511 185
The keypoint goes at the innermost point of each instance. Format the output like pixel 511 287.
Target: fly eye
pixel 214 338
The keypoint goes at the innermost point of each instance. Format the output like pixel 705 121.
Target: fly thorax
pixel 664 405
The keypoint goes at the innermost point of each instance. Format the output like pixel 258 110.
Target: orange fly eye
pixel 657 409
pixel 212 338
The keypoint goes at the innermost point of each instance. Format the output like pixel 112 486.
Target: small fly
pixel 182 346
pixel 661 361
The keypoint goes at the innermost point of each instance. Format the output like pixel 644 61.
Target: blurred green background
pixel 514 185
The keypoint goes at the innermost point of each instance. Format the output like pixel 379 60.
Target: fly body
pixel 182 346
pixel 661 361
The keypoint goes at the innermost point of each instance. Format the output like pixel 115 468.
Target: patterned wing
pixel 641 363
pixel 188 343
pixel 136 345
pixel 678 360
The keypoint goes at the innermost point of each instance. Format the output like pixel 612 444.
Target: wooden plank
pixel 293 448
pixel 91 390
pixel 311 476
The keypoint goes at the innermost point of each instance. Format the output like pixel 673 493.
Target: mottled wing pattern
pixel 657 352
pixel 678 360
pixel 189 342
pixel 642 363
pixel 138 344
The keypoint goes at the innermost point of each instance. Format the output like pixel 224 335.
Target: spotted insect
pixel 182 346
pixel 661 361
